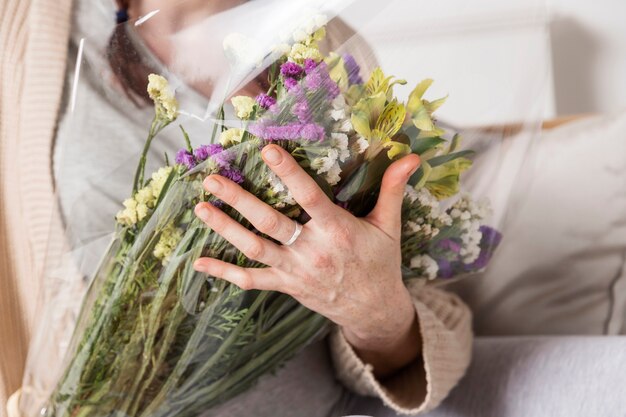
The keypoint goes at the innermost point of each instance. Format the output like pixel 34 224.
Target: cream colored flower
pixel 170 238
pixel 244 106
pixel 158 181
pixel 300 52
pixel 165 104
pixel 231 137
pixel 128 216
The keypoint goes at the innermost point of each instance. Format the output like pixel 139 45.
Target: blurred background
pixel 572 52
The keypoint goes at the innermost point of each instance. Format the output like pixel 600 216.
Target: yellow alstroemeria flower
pixel 420 110
pixel 378 122
pixel 379 83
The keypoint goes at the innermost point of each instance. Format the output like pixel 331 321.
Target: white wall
pixel 589 55
pixel 505 60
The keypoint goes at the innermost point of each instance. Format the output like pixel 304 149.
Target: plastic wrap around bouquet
pixel 154 337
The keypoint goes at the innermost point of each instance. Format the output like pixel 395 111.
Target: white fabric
pixel 560 269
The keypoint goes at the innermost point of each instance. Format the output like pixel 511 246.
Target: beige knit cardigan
pixel 33 50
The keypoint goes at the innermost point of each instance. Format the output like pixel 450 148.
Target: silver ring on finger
pixel 295 236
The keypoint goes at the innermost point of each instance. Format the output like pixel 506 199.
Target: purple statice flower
pixel 446 268
pixel 223 159
pixel 353 69
pixel 449 245
pixel 290 83
pixel 302 111
pixel 184 157
pixel 217 203
pixel 265 101
pixel 490 239
pixel 232 174
pixel 292 131
pixel 312 132
pixel 319 78
pixel 291 70
pixel 309 65
pixel 204 151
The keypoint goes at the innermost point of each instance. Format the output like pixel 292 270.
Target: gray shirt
pixel 100 135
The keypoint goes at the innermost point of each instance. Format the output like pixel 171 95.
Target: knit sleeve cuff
pixel 422 385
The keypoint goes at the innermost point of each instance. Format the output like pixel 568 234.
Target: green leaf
pixel 361 123
pixel 440 160
pixel 354 184
pixel 422 145
pixel 419 178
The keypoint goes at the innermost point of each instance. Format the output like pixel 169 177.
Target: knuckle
pixel 341 235
pixel 255 249
pixel 269 223
pixel 311 198
pixel 246 282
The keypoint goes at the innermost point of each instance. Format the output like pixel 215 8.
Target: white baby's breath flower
pixel 333 176
pixel 425 265
pixel 361 145
pixel 280 191
pixel 244 106
pixel 165 104
pixel 340 141
pixel 242 51
pixel 281 50
pixel 300 36
pixel 328 161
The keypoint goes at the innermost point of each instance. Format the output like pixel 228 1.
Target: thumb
pixel 386 213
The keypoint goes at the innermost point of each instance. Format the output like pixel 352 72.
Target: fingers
pixel 386 214
pixel 303 188
pixel 264 218
pixel 244 278
pixel 250 244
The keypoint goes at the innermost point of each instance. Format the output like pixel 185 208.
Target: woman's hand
pixel 342 267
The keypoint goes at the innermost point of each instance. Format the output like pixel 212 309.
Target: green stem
pixel 155 128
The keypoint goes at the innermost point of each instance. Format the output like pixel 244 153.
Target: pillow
pixel 561 266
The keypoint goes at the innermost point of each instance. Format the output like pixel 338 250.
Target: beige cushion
pixel 561 267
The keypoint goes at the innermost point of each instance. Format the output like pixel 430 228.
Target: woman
pixel 408 347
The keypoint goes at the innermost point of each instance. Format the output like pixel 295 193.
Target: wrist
pixel 393 343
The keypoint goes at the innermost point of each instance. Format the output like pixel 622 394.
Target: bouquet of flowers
pixel 178 343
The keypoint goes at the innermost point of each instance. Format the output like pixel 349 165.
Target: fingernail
pixel 412 171
pixel 273 156
pixel 212 185
pixel 203 213
pixel 198 265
